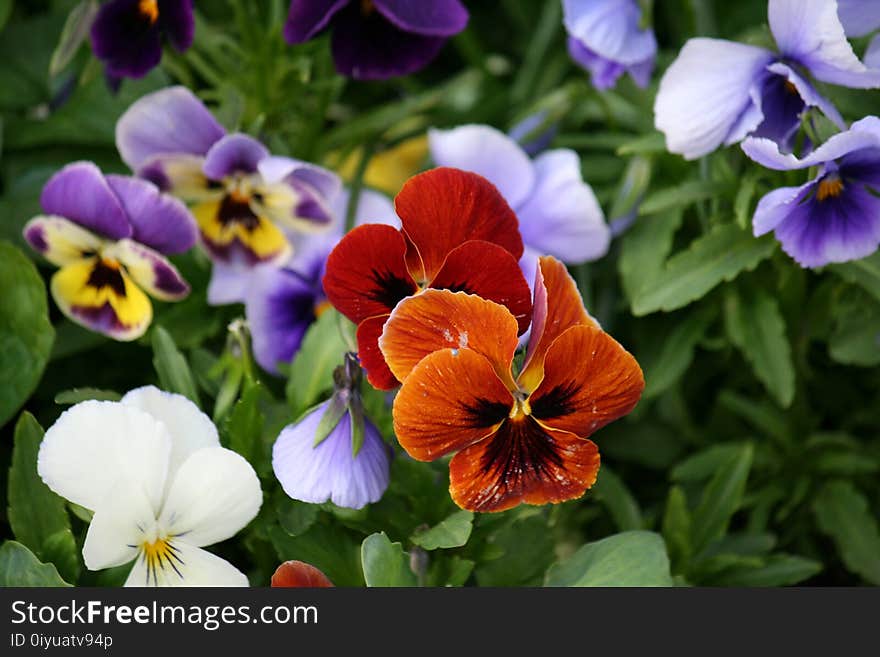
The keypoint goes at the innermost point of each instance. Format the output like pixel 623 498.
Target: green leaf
pixel 385 563
pixel 294 516
pixel 778 570
pixel 635 558
pixel 311 372
pixel 330 419
pixel 743 201
pixel 856 336
pixel 644 249
pixel 523 549
pixel 38 516
pixel 665 366
pixel 610 490
pixel 76 30
pixel 330 548
pixel 721 498
pixel 77 395
pixel 719 255
pixel 705 463
pixel 19 567
pixel 452 532
pixel 843 513
pixel 26 335
pixel 171 366
pixel 755 325
pixel 677 527
pixel 654 142
pixel 245 426
pixel 681 196
pixel 864 272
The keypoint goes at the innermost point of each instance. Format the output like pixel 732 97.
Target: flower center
pixel 149 9
pixel 790 88
pixel 321 308
pixel 521 407
pixel 106 274
pixel 367 7
pixel 161 556
pixel 829 186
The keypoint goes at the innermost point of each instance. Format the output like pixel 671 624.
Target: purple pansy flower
pixel 127 34
pixel 377 39
pixel 334 453
pixel 108 235
pixel 718 92
pixel 248 204
pixel 835 217
pixel 281 304
pixel 859 17
pixel 605 37
pixel 558 212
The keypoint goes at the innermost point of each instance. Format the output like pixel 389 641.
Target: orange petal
pixel 522 462
pixel 443 208
pixel 299 574
pixel 451 399
pixel 489 271
pixel 589 381
pixel 557 307
pixel 440 319
pixel 372 360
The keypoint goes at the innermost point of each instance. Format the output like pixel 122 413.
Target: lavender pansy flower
pixel 127 34
pixel 718 92
pixel 281 304
pixel 248 204
pixel 606 38
pixel 558 212
pixel 859 17
pixel 835 217
pixel 334 453
pixel 377 39
pixel 108 235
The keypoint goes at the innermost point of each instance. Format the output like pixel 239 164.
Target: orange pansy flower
pixel 518 438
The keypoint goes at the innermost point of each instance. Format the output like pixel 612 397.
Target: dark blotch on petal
pixel 107 275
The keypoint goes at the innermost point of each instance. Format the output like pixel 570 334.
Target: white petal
pixel 95 444
pixel 488 152
pixel 195 567
pixel 704 94
pixel 215 493
pixel 118 528
pixel 562 217
pixel 190 429
pixel 810 33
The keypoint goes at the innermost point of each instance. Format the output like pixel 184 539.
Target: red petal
pixel 442 208
pixel 299 574
pixel 450 400
pixel 372 360
pixel 366 272
pixel 488 271
pixel 589 381
pixel 441 319
pixel 558 306
pixel 522 462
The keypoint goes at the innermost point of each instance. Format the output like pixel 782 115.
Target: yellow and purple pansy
pixel 108 235
pixel 249 205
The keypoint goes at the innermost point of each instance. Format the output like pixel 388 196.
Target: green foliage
pixel 452 532
pixel 38 516
pixel 171 366
pixel 843 513
pixel 25 332
pixel 19 567
pixel 312 370
pixel 385 563
pixel 633 558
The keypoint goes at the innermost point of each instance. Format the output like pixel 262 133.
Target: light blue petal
pixel 610 28
pixel 706 92
pixel 859 17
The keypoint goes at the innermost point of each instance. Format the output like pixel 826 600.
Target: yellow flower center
pixel 161 555
pixel 149 9
pixel 367 7
pixel 321 308
pixel 831 186
pixel 521 407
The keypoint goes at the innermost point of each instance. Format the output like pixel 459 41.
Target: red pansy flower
pixel 458 233
pixel 518 438
pixel 299 574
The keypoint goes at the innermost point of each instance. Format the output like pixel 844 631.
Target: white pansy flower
pixel 161 487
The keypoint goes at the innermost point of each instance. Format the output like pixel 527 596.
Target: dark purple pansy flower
pixel 377 39
pixel 127 34
pixel 835 217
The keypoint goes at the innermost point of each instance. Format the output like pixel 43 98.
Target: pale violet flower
pixel 718 92
pixel 558 212
pixel 161 487
pixel 606 38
